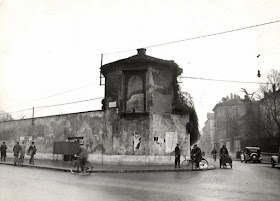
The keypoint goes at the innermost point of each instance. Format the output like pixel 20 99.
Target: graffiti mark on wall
pixel 137 142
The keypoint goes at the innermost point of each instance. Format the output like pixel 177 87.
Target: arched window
pixel 135 91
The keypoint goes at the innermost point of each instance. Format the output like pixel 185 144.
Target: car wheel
pixel 272 163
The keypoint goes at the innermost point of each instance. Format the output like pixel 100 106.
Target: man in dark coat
pixel 32 151
pixel 223 151
pixel 196 155
pixel 177 156
pixel 16 150
pixel 3 149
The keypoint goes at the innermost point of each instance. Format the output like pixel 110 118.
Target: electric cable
pixel 63 92
pixel 45 106
pixel 198 37
pixel 68 103
pixel 217 80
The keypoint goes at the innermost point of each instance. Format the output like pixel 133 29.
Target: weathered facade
pixel 136 125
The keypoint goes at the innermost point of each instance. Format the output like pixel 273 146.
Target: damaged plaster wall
pixel 46 130
pixel 163 123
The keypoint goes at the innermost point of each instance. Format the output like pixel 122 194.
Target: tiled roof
pixel 141 58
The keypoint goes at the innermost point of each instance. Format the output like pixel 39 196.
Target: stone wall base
pixel 113 159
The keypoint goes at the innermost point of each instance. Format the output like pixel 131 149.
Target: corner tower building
pixel 140 92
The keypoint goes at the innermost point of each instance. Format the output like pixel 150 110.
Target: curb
pixel 111 171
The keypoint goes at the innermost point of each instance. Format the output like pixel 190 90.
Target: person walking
pixel 3 150
pixel 22 152
pixel 32 151
pixel 16 150
pixel 177 156
pixel 83 154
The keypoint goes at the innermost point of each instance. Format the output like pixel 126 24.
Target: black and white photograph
pixel 140 100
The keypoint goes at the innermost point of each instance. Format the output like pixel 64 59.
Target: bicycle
pixel 76 165
pixel 203 164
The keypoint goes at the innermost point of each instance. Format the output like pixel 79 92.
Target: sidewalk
pixel 99 168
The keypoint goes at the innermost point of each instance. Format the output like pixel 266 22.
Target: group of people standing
pixel 19 152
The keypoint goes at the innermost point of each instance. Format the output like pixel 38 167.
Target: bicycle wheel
pixel 88 168
pixel 74 167
pixel 203 164
pixel 185 164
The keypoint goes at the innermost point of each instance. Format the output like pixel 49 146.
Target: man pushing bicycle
pixel 83 154
pixel 196 155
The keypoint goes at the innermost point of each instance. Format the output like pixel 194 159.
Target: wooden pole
pixel 33 116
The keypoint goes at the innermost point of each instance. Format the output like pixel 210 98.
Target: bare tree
pixel 253 124
pixel 270 103
pixel 5 116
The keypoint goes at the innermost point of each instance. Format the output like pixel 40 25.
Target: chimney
pixel 141 51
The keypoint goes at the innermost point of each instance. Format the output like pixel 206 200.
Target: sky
pixel 50 50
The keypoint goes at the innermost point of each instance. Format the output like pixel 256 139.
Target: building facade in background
pixel 208 138
pixel 223 127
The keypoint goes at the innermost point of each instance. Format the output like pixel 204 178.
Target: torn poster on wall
pixel 171 140
pixel 137 141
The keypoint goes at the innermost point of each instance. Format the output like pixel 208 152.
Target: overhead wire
pixel 46 106
pixel 63 92
pixel 198 37
pixel 69 103
pixel 209 79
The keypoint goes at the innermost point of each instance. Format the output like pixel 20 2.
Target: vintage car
pixel 275 159
pixel 252 154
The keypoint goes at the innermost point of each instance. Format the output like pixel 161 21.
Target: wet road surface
pixel 242 182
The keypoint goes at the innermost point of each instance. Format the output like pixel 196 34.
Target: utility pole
pixel 33 116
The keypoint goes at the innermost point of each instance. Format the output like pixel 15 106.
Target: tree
pixel 270 103
pixel 5 116
pixel 252 123
pixel 184 104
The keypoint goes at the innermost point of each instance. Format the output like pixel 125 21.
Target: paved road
pixel 243 182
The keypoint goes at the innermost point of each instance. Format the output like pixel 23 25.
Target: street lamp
pixel 259 74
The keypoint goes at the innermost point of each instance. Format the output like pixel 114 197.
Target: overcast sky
pixel 49 47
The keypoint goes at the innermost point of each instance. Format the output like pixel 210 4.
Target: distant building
pixel 208 141
pixel 227 115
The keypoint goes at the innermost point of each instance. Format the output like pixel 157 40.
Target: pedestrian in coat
pixel 3 150
pixel 22 152
pixel 177 156
pixel 196 155
pixel 32 151
pixel 16 150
